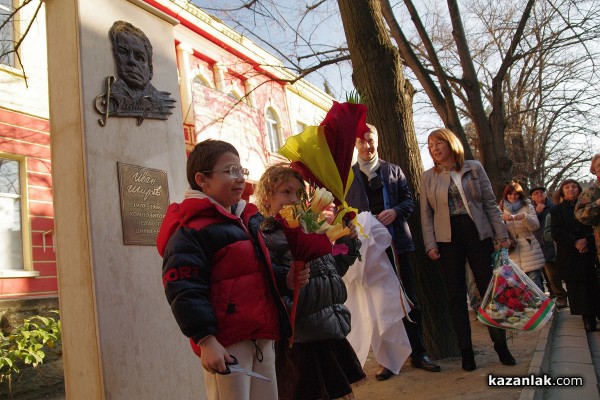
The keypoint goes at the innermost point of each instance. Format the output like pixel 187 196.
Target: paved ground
pixel 453 382
pixel 561 349
pixel 572 353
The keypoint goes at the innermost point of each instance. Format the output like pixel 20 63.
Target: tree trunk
pixel 378 77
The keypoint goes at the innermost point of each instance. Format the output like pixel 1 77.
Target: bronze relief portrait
pixel 131 94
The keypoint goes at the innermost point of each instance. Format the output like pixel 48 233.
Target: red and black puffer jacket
pixel 217 274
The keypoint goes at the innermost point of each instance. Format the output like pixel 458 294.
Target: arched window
pixel 272 122
pixel 234 94
pixel 202 80
pixel 300 127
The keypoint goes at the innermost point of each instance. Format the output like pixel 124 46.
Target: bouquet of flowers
pixel 323 154
pixel 308 234
pixel 512 300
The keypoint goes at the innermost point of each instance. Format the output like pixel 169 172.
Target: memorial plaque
pixel 144 200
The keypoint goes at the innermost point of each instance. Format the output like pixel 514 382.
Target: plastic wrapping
pixel 512 300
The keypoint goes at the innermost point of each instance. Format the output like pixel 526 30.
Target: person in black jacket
pixel 217 276
pixel 543 205
pixel 575 255
pixel 321 364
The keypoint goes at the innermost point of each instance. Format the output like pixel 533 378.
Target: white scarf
pixel 370 167
pixel 196 194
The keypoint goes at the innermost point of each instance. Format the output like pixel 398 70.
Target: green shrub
pixel 25 344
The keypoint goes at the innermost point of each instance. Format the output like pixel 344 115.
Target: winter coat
pixel 528 254
pixel 566 230
pixel 396 195
pixel 588 212
pixel 216 276
pixel 547 246
pixel 321 313
pixel 435 213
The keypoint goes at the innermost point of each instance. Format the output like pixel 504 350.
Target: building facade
pixel 231 89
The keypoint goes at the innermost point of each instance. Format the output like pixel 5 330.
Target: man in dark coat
pixel 543 205
pixel 381 188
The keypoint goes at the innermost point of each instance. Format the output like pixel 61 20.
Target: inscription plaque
pixel 144 200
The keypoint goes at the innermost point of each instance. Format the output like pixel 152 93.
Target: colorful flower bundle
pixel 323 154
pixel 513 300
pixel 308 214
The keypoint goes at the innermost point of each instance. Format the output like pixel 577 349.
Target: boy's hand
pixel 303 274
pixel 214 355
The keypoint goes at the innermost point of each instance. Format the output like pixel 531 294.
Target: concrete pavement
pixel 565 349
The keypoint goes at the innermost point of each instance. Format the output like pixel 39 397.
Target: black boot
pixel 589 322
pixel 468 359
pixel 503 354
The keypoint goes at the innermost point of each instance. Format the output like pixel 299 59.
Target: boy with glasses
pixel 217 277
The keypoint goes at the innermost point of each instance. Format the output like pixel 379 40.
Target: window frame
pixel 11 65
pixel 26 240
pixel 276 129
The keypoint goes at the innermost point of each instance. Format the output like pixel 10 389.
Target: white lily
pixel 321 200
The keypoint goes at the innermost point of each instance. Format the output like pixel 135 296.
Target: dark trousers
pixel 414 330
pixel 554 281
pixel 466 246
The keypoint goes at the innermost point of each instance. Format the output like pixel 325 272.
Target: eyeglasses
pixel 234 172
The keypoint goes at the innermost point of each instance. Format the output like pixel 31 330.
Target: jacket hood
pixel 195 204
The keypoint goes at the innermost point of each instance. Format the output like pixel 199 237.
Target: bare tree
pixel 547 94
pixel 550 91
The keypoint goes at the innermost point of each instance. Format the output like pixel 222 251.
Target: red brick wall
pixel 29 137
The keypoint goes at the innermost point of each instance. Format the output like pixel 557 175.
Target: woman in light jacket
pixel 460 222
pixel 521 221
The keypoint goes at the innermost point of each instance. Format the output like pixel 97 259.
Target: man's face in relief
pixel 133 61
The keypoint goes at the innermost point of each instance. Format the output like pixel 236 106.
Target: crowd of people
pixel 229 273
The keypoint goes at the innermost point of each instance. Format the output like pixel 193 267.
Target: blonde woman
pixel 460 222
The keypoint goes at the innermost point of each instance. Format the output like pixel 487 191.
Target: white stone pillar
pixel 220 70
pixel 185 85
pixel 250 86
pixel 120 340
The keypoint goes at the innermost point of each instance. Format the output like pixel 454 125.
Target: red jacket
pixel 217 275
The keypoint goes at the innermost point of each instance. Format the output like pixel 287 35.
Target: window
pixel 272 130
pixel 300 127
pixel 7 33
pixel 11 227
pixel 234 95
pixel 202 80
